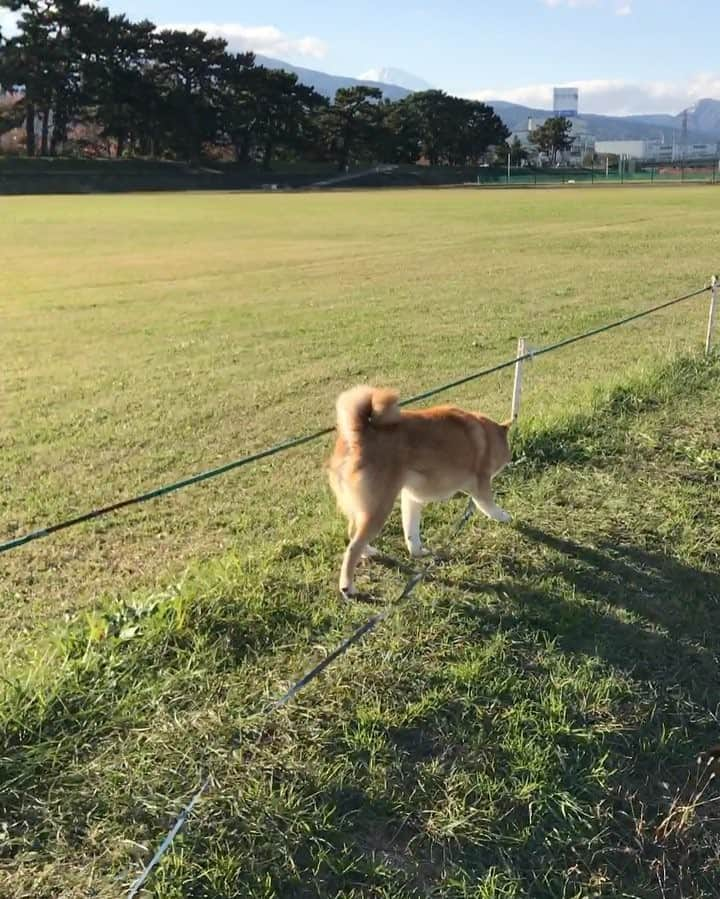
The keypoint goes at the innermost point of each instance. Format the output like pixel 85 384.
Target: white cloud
pixel 389 75
pixel 8 22
pixel 616 97
pixel 621 7
pixel 265 39
pixel 571 4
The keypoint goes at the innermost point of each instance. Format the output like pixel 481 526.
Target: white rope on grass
pixel 138 884
pixel 413 581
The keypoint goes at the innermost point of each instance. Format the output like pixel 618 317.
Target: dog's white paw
pixel 420 552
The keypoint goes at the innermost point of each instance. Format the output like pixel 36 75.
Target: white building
pixel 702 151
pixel 565 103
pixel 629 149
pixel 655 150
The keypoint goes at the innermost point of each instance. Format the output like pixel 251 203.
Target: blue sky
pixel 625 55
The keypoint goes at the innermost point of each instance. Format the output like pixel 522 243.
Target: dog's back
pixel 432 452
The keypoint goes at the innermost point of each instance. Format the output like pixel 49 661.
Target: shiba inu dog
pixel 427 455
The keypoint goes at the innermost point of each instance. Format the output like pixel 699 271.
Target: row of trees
pixel 179 94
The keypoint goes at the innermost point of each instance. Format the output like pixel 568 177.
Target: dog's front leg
pixel 411 515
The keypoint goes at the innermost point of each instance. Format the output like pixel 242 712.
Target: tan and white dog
pixel 432 454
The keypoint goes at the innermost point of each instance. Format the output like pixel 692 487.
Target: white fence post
pixel 711 316
pixel 517 386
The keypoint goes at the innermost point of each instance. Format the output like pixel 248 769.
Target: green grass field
pixel 528 724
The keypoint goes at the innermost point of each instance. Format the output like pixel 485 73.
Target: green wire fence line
pixel 316 435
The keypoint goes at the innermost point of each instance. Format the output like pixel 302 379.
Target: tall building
pixel 565 101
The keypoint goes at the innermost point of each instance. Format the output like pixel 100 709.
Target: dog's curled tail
pixel 365 407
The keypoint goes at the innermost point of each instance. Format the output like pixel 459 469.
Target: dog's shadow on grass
pixel 643 612
pixel 683 599
pixel 432 572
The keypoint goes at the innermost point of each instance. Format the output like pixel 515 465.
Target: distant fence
pixel 113 177
pixel 21 176
pixel 702 171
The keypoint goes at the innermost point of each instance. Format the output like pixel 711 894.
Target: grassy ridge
pixel 523 728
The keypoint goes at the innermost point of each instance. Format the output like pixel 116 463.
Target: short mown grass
pixel 528 723
pixel 146 337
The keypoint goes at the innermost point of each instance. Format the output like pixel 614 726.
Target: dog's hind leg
pixel 367 528
pixel 483 499
pixel 411 515
pixel 369 551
